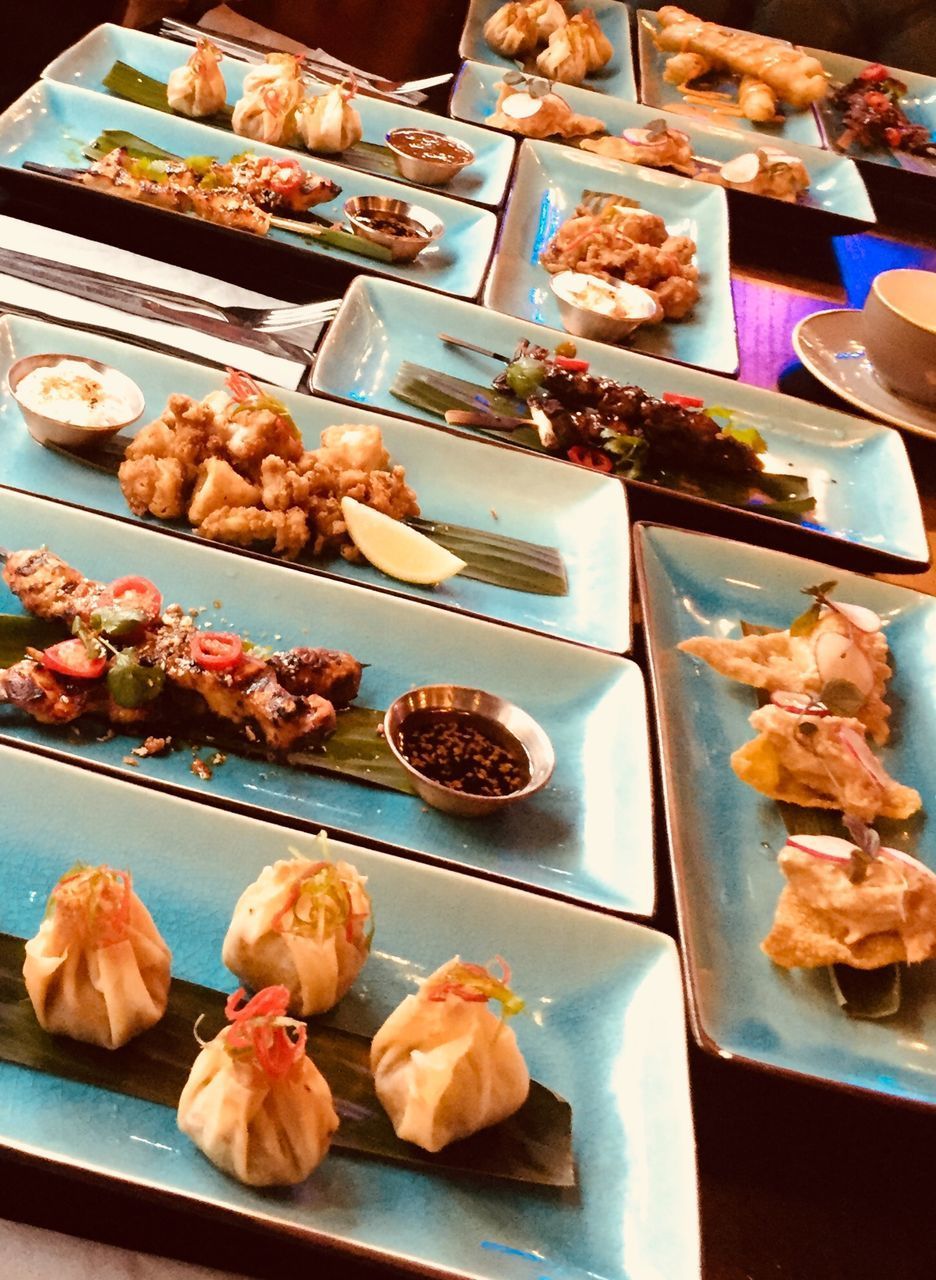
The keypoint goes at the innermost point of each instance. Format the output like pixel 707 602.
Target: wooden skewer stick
pixel 471 346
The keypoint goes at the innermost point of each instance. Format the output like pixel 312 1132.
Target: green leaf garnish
pixel 131 684
pixel 842 697
pixel 749 436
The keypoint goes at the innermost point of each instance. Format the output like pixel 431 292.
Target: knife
pixel 93 286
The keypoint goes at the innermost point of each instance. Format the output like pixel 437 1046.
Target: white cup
pixel 899 331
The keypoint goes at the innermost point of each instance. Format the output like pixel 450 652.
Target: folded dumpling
pixel 566 57
pixel 272 95
pixel 549 15
pixel 834 649
pixel 305 926
pixel 598 48
pixel 444 1065
pixel 828 914
pixel 512 30
pixel 330 124
pixel 198 89
pixel 254 1103
pixel 822 762
pixel 98 969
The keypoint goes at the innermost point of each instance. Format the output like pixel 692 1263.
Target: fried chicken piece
pixel 677 296
pixel 781 662
pixel 806 760
pixel 283 485
pixel 330 673
pixel 357 447
pixel 249 694
pixel 217 486
pixel 243 526
pixel 823 917
pixel 155 485
pixel 50 588
pixel 257 433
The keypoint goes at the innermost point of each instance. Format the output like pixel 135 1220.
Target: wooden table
pixel 797 1182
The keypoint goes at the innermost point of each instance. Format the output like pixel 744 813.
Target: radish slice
pixel 854 743
pixel 798 703
pixel 829 848
pixel 644 138
pixel 520 106
pixel 741 169
pixel 897 855
pixel 839 658
pixel 865 620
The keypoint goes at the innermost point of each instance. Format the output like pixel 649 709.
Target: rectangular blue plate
pixel 87 63
pixel 51 123
pixel 858 470
pixel 547 187
pixel 612 986
pixel 725 837
pixel 617 78
pixel 919 103
pixel 798 126
pixel 835 187
pixel 587 836
pixel 519 495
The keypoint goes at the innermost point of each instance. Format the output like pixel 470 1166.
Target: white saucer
pixel 828 344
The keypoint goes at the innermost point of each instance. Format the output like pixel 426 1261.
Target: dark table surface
pixel 797 1181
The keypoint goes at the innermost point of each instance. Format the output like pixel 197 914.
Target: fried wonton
pixel 780 661
pixel 806 760
pixel 824 918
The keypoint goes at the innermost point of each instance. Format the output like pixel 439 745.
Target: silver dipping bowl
pixel 433 173
pixel 50 430
pixel 403 248
pixel 582 322
pixel 516 721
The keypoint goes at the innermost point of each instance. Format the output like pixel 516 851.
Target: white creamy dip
pixel 79 395
pixel 622 300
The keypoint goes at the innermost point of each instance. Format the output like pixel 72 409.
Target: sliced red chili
pixel 584 456
pixel 573 366
pixel 136 593
pixel 216 650
pixel 876 71
pixel 687 402
pixel 71 658
pixel 241 385
pixel 285 176
pixel 893 137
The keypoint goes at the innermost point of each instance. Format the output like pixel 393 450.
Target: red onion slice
pixel 643 138
pixel 828 848
pixel 854 743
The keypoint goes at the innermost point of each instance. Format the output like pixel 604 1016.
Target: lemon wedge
pixel 396 549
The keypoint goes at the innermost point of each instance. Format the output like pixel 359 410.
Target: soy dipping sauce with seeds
pixel 464 751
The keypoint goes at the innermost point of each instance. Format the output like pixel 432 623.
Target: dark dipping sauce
pixel 425 144
pixel 464 751
pixel 392 224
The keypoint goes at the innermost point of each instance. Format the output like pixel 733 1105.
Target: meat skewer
pixel 251 195
pixel 284 700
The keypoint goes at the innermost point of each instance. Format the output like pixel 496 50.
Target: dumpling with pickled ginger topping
pixel 197 89
pixel 97 970
pixel 304 925
pixel 845 905
pixel 822 762
pixel 835 652
pixel 444 1064
pixel 268 107
pixel 255 1103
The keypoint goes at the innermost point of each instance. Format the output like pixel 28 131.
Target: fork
pixel 43 271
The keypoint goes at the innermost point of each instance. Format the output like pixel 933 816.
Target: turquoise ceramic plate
pixel 919 104
pixel 51 123
pixel 87 63
pixel 725 837
pixel 583 514
pixel 845 457
pixel 587 836
pixel 548 186
pixel 604 1028
pixel 797 126
pixel 836 186
pixel 616 78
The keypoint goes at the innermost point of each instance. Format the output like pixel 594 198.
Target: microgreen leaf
pixel 842 697
pixel 806 622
